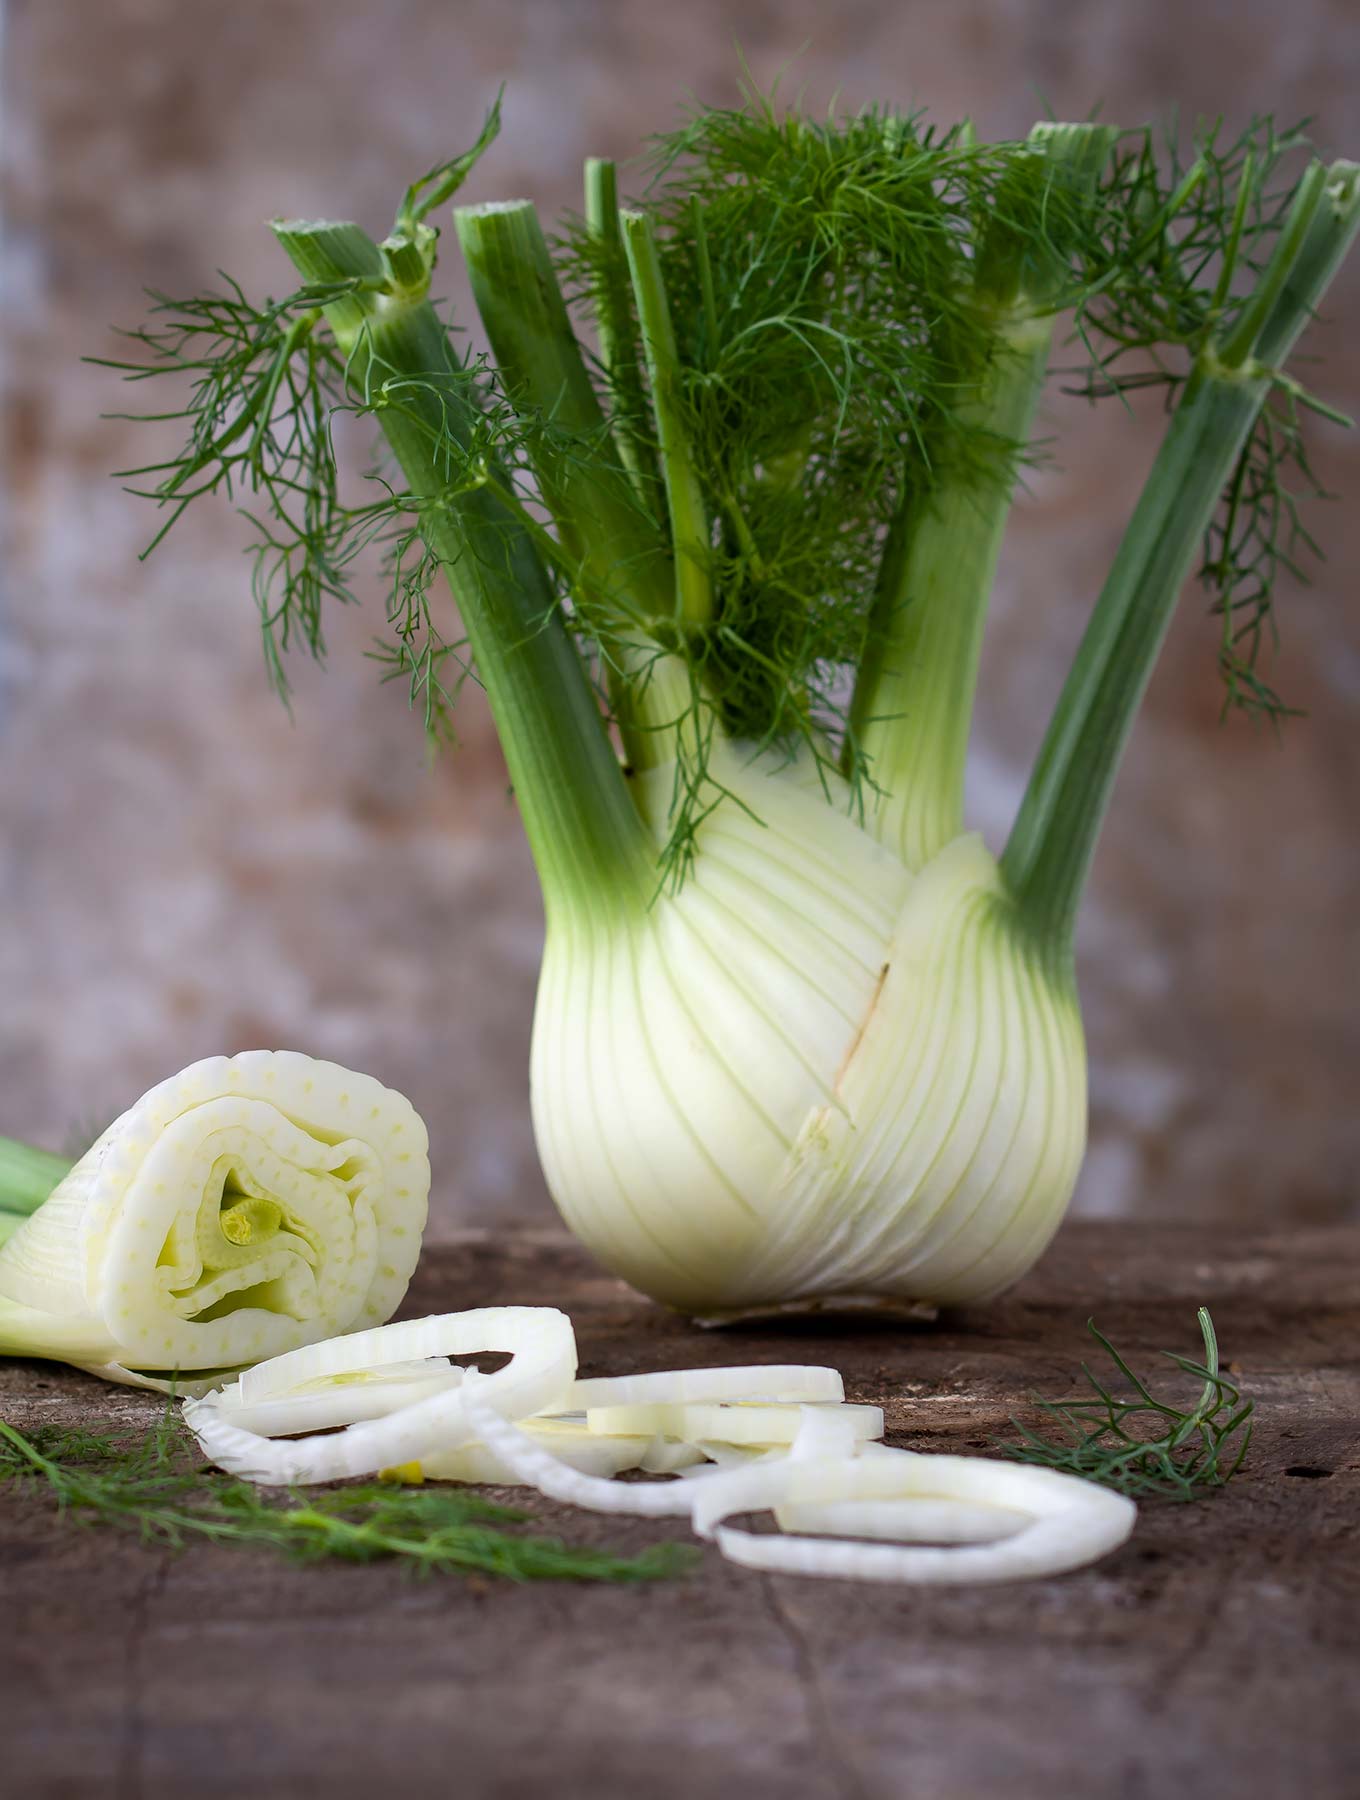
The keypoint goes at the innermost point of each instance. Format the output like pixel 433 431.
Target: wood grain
pixel 1217 1653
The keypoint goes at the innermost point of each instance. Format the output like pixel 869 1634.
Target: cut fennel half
pixel 244 1207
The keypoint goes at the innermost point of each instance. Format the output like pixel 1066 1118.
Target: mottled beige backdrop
pixel 183 870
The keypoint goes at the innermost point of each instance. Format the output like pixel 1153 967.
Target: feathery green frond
pixel 153 1489
pixel 1142 1445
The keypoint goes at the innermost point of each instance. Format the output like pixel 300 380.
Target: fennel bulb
pixel 799 1036
pixel 808 1072
pixel 244 1207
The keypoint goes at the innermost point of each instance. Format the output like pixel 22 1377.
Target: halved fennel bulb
pixel 809 1073
pixel 246 1206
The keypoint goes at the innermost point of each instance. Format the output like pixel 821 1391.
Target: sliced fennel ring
pixel 532 1463
pixel 532 1460
pixel 728 1422
pixel 1068 1522
pixel 323 1406
pixel 902 1521
pixel 330 1402
pixel 542 1349
pixel 409 1414
pixel 678 1387
pixel 248 1205
pixel 568 1440
pixel 1011 1522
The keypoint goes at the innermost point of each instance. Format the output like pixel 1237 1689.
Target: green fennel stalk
pixel 913 698
pixel 1232 377
pixel 400 366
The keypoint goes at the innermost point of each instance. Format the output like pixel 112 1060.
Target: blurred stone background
pixel 183 870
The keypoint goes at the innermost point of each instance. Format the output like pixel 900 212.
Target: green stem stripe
pixel 587 840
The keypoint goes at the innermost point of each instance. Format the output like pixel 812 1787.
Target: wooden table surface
pixel 1216 1653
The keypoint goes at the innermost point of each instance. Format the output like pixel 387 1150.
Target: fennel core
pixel 749 541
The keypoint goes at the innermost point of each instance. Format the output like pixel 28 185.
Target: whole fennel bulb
pixel 825 1076
pixel 723 570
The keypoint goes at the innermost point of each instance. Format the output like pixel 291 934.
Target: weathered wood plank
pixel 1219 1651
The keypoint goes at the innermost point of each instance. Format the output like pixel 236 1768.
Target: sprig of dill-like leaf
pixel 1184 273
pixel 1141 1445
pixel 265 384
pixel 153 1489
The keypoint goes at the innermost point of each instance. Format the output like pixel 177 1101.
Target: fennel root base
pixel 834 1306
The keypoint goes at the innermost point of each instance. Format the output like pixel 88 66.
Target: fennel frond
pixel 1145 1446
pixel 153 1489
